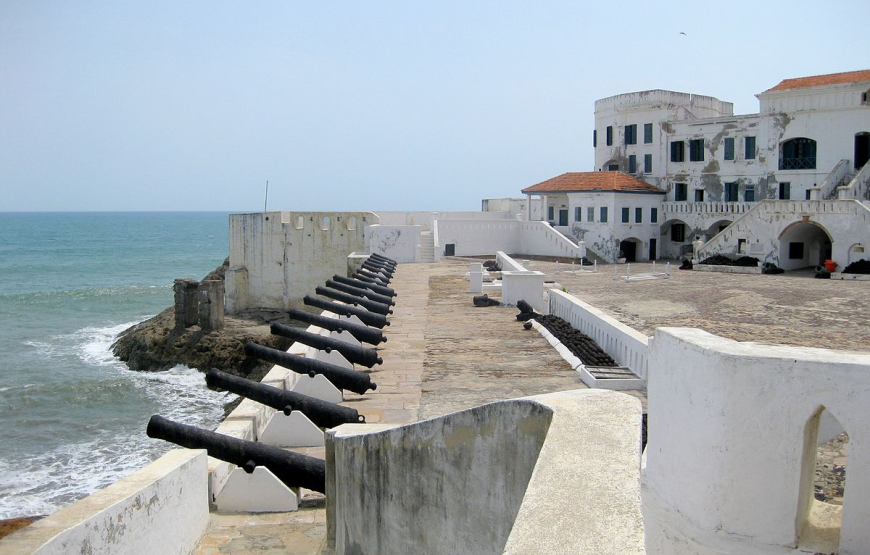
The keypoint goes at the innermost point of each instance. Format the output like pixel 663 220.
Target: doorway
pixel 652 249
pixel 629 250
pixel 862 149
pixel 563 217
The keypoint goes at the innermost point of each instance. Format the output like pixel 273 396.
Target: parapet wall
pixel 161 509
pixel 627 346
pixel 278 257
pixel 732 447
pixel 551 474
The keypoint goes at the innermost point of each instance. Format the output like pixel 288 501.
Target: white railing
pixel 828 188
pixel 627 346
pixel 539 237
pixel 508 264
pixel 858 188
pixel 706 208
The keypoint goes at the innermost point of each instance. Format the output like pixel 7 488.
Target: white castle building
pixel 789 185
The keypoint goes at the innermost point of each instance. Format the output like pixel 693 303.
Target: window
pixel 647 133
pixel 699 195
pixel 632 163
pixel 749 193
pixel 798 154
pixel 678 151
pixel 625 215
pixel 678 233
pixel 590 214
pixel 696 150
pixel 638 215
pixel 551 214
pixel 594 138
pixel 603 218
pixel 577 213
pixel 749 148
pixel 631 134
pixel 784 191
pixel 731 192
pixel 609 135
pixel 613 168
pixel 729 148
pixel 654 215
pixel 679 191
pixel 647 163
pixel 795 251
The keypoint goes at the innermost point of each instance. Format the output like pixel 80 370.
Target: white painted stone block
pixel 258 492
pixel 293 430
pixel 318 387
pixel 333 357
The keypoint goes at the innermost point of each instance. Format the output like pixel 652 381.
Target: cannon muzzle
pixel 293 469
pixel 342 378
pixel 362 284
pixel 353 353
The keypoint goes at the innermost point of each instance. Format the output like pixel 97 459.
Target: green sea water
pixel 72 416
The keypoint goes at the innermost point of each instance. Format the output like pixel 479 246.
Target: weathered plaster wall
pixel 160 509
pixel 276 258
pixel 727 424
pixel 484 480
pixel 477 237
pixel 399 242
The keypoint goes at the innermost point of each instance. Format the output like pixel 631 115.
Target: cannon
pixel 366 317
pixel 378 277
pixel 363 334
pixel 381 264
pixel 293 469
pixel 322 413
pixel 385 291
pixel 370 278
pixel 377 268
pixel 342 378
pixel 360 292
pixel 379 308
pixel 384 258
pixel 353 353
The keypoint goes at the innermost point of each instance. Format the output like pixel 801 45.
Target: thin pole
pixel 266 202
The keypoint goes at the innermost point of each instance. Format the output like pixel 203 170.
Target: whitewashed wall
pixel 161 509
pixel 276 258
pixel 399 242
pixel 727 425
pixel 625 345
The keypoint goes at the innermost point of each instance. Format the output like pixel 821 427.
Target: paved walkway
pixel 442 354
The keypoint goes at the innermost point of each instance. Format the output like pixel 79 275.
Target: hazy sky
pixel 394 105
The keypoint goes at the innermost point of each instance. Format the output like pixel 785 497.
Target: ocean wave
pixel 45 297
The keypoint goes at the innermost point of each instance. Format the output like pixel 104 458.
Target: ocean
pixel 72 416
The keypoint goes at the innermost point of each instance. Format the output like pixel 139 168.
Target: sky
pixel 390 105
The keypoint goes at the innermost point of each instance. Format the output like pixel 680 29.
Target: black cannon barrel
pixel 342 378
pixel 366 317
pixel 360 292
pixel 385 291
pixel 369 278
pixel 379 308
pixel 353 353
pixel 293 469
pixel 375 267
pixel 322 413
pixel 382 264
pixel 384 258
pixel 378 277
pixel 361 333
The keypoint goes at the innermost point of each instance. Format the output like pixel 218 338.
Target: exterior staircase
pixel 427 247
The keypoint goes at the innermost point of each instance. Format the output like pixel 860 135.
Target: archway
pixel 610 166
pixel 632 249
pixel 822 483
pixel 676 239
pixel 715 229
pixel 803 244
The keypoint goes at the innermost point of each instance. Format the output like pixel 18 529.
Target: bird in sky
pixel 684 34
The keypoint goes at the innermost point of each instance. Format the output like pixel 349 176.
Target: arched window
pixel 798 154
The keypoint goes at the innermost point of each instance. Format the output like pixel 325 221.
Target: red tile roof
pixel 820 80
pixel 593 181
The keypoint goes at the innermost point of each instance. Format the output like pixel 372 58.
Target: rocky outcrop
pixel 159 343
